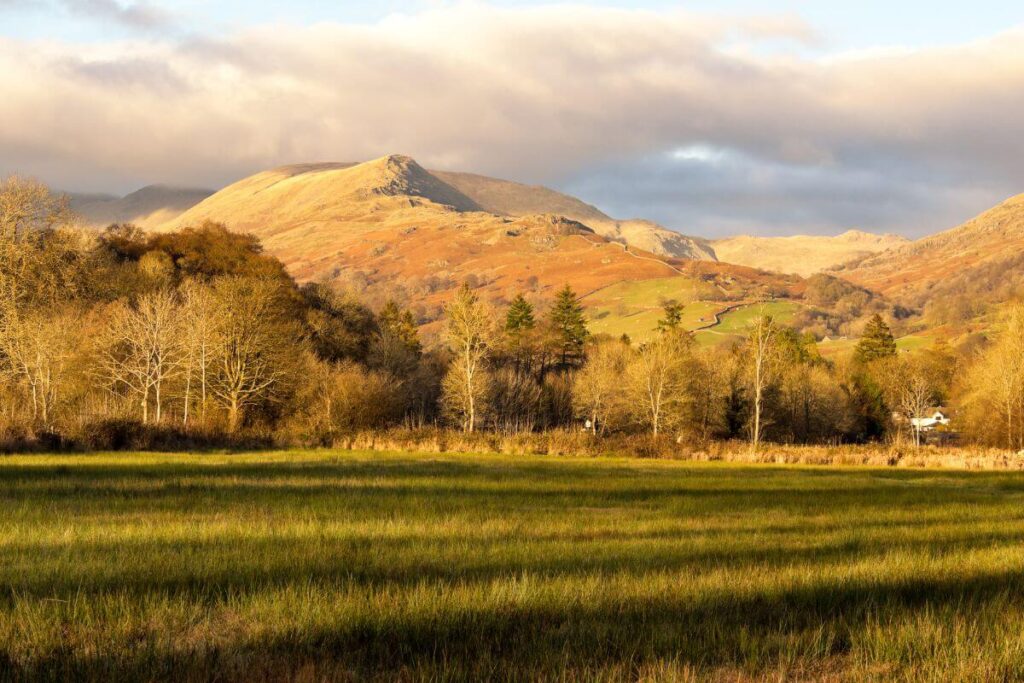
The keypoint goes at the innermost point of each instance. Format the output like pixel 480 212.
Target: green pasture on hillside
pixel 634 308
pixel 354 566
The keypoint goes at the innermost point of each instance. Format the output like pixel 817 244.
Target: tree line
pixel 201 335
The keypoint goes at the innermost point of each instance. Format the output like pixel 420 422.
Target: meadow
pixel 332 566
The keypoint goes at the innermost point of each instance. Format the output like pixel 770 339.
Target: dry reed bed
pixel 570 443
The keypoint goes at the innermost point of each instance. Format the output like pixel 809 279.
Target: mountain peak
pixel 399 175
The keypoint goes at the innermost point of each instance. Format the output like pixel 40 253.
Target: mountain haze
pixel 148 207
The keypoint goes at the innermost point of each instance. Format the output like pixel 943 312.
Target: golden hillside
pixel 803 254
pixel 391 221
pixel 392 226
pixel 980 260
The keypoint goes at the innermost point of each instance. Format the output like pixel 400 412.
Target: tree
pixel 673 319
pixel 399 323
pixel 597 387
pixel 995 382
pixel 27 206
pixel 569 327
pixel 657 381
pixel 38 346
pixel 201 335
pixel 876 342
pixel 40 260
pixel 915 395
pixel 763 351
pixel 143 349
pixel 249 360
pixel 470 335
pixel 396 348
pixel 519 318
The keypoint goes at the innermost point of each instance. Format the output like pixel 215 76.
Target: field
pixel 911 342
pixel 635 307
pixel 735 324
pixel 316 566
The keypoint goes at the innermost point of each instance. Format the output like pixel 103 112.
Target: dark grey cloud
pixel 734 194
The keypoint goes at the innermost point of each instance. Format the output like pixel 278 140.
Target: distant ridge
pixel 982 259
pixel 803 254
pixel 148 207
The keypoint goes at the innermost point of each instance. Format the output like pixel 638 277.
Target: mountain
pixel 981 261
pixel 148 208
pixel 803 254
pixel 507 198
pixel 391 225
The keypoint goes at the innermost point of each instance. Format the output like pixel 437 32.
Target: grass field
pixel 735 325
pixel 316 566
pixel 635 307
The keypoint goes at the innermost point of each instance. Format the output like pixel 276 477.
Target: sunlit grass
pixel 323 565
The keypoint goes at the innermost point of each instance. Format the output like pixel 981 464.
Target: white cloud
pixel 538 94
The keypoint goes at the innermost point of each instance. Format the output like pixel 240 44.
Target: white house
pixel 930 423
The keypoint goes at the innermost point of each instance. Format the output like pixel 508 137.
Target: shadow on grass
pixel 537 642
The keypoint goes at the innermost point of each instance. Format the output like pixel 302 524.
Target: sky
pixel 713 118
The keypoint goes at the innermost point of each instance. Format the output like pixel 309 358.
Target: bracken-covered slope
pixel 147 208
pixel 981 259
pixel 803 254
pixel 392 224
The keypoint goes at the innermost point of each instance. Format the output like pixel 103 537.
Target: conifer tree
pixel 673 319
pixel 569 327
pixel 520 316
pixel 399 324
pixel 877 341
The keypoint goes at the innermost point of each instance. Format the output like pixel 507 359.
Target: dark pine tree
pixel 673 319
pixel 519 318
pixel 568 327
pixel 876 342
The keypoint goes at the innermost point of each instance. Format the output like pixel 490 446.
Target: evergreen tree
pixel 673 319
pixel 876 342
pixel 399 324
pixel 520 316
pixel 569 327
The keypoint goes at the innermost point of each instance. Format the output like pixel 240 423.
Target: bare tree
pixel 27 205
pixel 597 388
pixel 471 335
pixel 247 363
pixel 657 380
pixel 201 336
pixel 36 259
pixel 143 350
pixel 763 356
pixel 37 347
pixel 915 395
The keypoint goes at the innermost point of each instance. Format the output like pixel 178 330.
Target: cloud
pixel 137 15
pixel 662 114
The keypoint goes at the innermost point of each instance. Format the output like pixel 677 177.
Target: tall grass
pixel 328 565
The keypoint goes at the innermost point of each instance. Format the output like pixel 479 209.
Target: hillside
pixel 971 265
pixel 507 198
pixel 803 254
pixel 392 227
pixel 148 208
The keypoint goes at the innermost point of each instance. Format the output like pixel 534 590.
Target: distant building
pixel 936 419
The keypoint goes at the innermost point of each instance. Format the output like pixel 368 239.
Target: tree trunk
pixel 233 411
